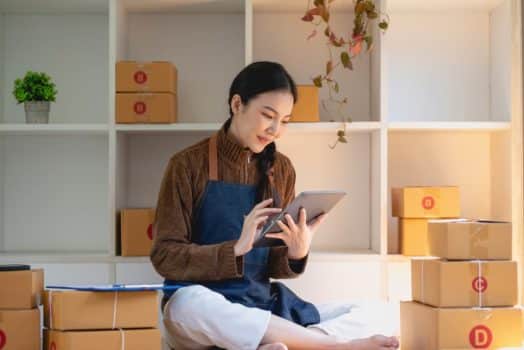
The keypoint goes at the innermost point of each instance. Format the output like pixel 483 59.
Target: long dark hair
pixel 255 79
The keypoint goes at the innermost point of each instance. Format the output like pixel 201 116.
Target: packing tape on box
pixel 479 284
pixel 122 339
pixel 478 242
pixel 115 307
pixel 50 306
pixel 422 299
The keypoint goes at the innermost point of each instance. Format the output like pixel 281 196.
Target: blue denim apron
pixel 219 218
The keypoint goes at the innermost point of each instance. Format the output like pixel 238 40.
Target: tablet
pixel 315 203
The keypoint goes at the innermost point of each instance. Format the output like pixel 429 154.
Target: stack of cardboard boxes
pixel 414 206
pixel 463 299
pixel 20 297
pixel 136 232
pixel 84 320
pixel 146 92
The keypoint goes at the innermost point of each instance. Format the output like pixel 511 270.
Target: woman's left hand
pixel 297 236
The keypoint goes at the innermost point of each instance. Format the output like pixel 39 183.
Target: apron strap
pixel 213 161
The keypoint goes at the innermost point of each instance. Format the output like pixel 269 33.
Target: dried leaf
pixel 318 3
pixel 318 81
pixel 334 41
pixel 383 25
pixel 336 88
pixel 342 139
pixel 327 32
pixel 329 67
pixel 340 133
pixel 346 61
pixel 360 8
pixel 313 33
pixel 356 48
pixel 308 17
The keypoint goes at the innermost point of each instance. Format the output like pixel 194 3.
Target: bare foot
pixel 273 346
pixel 376 342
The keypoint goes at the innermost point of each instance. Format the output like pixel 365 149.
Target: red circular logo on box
pixel 3 339
pixel 428 202
pixel 150 231
pixel 480 337
pixel 479 284
pixel 140 107
pixel 140 77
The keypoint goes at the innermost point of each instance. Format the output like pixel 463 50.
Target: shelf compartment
pixel 458 68
pixel 67 40
pixel 280 35
pixel 479 162
pixel 207 58
pixel 53 194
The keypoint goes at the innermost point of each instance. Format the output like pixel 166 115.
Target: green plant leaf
pixel 346 61
pixel 317 81
pixel 369 42
pixel 34 87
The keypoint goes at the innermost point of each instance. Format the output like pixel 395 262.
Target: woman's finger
pixel 291 223
pixel 302 218
pixel 276 235
pixel 264 203
pixel 267 211
pixel 286 230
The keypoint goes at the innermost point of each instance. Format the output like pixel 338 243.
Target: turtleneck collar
pixel 230 148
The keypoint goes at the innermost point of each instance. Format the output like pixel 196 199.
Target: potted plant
pixel 342 51
pixel 36 91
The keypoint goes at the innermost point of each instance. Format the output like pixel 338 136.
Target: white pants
pixel 197 318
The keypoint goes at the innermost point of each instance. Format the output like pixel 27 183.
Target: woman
pixel 214 197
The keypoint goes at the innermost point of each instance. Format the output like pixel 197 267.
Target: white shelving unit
pixel 437 102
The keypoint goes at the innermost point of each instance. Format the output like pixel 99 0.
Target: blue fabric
pixel 220 218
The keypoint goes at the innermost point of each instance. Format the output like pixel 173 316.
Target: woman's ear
pixel 236 103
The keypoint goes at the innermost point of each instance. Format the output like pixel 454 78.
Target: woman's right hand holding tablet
pixel 253 223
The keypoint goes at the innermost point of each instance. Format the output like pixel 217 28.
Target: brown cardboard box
pixel 136 231
pixel 20 329
pixel 133 76
pixel 470 239
pixel 78 310
pixel 21 289
pixel 426 202
pixel 306 108
pixel 413 235
pixel 424 327
pixel 136 339
pixel 146 108
pixel 444 283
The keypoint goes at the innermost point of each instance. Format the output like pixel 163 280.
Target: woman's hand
pixel 297 237
pixel 253 223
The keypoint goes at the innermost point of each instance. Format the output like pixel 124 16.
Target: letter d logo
pixel 480 337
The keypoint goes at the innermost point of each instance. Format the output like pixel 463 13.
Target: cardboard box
pixel 428 328
pixel 21 289
pixel 20 329
pixel 413 235
pixel 136 231
pixel 79 310
pixel 158 76
pixel 136 339
pixel 306 108
pixel 146 108
pixel 426 202
pixel 443 283
pixel 470 239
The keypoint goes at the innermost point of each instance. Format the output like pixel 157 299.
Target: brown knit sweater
pixel 174 256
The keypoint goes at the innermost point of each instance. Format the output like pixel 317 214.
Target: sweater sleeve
pixel 173 255
pixel 280 266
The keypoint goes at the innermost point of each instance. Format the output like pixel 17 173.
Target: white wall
pixel 55 193
pixel 500 68
pixel 73 50
pixel 438 67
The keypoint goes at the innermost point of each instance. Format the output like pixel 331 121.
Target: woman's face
pixel 263 120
